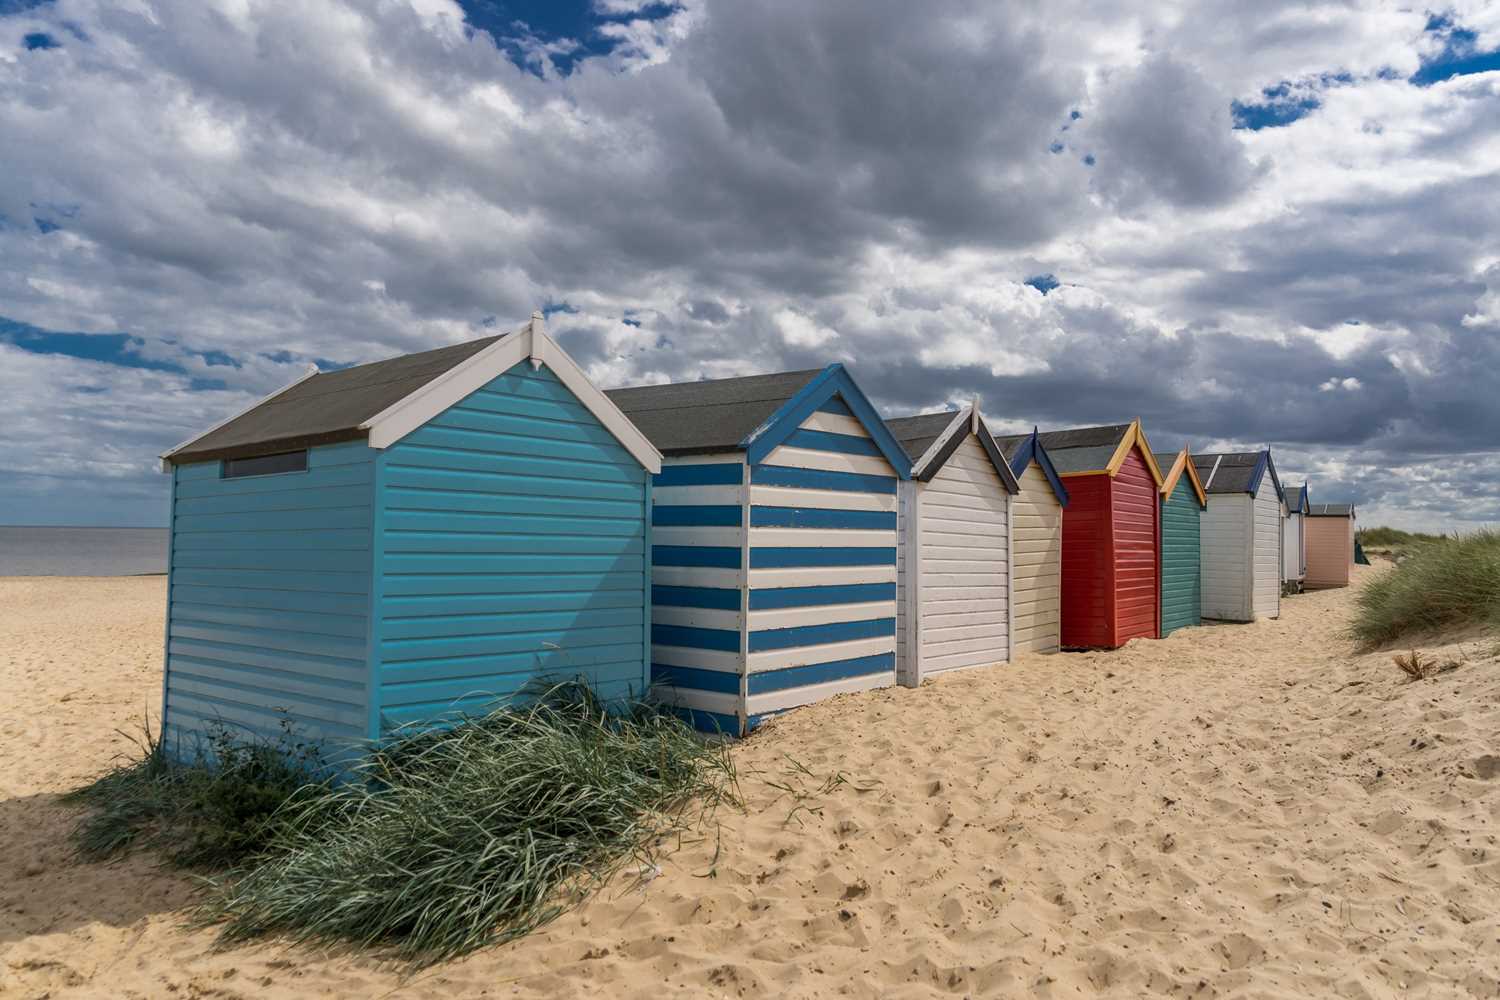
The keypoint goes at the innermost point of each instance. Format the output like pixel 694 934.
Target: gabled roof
pixel 921 432
pixel 1020 450
pixel 932 438
pixel 1175 465
pixel 1296 499
pixel 753 413
pixel 1236 471
pixel 1086 451
pixel 383 401
pixel 1330 510
pixel 688 418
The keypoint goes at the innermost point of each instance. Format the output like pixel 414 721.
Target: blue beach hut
pixel 387 545
pixel 774 531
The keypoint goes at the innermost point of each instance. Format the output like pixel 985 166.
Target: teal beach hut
pixel 774 531
pixel 386 546
pixel 1182 504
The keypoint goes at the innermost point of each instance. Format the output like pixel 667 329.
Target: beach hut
pixel 953 557
pixel 386 546
pixel 774 558
pixel 1241 536
pixel 1182 505
pixel 1294 541
pixel 1036 532
pixel 1110 593
pixel 1330 545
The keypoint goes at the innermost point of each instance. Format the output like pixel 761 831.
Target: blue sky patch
pixel 514 24
pixel 1286 102
pixel 1043 283
pixel 1460 55
pixel 111 348
pixel 39 40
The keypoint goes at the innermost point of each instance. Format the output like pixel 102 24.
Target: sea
pixel 42 551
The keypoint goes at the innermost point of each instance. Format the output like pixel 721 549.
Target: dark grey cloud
pixel 1163 131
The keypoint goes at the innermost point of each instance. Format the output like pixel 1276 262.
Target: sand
pixel 1247 810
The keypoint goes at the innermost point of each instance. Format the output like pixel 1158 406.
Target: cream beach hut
pixel 1036 545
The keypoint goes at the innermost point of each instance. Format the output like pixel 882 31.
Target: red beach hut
pixel 1111 533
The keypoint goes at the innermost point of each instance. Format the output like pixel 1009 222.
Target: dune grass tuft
pixel 479 833
pixel 1439 586
pixel 1385 538
pixel 210 812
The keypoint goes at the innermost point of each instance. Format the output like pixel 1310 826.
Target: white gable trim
pixel 531 343
pixel 166 465
pixel 1211 472
pixel 956 425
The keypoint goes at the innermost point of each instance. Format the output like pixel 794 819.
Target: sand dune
pixel 1236 811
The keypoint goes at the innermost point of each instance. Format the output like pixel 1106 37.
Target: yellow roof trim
pixel 1134 437
pixel 1184 460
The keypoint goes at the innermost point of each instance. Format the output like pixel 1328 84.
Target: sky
pixel 1250 225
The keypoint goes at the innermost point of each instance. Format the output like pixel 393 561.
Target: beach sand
pixel 1249 811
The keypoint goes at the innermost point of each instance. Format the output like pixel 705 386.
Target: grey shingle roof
pixel 1330 509
pixel 917 433
pixel 1009 443
pixel 327 407
pixel 1083 449
pixel 1294 497
pixel 686 418
pixel 1236 469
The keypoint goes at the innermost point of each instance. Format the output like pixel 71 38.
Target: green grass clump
pixel 1438 586
pixel 1388 538
pixel 458 838
pixel 212 811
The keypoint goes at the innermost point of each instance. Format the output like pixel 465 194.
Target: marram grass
pixel 435 845
pixel 1449 584
pixel 476 834
pixel 212 811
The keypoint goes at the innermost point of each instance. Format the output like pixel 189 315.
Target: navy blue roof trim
pixel 834 380
pixel 1261 465
pixel 997 458
pixel 1031 448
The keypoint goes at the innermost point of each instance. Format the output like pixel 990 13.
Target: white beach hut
pixel 1241 536
pixel 953 556
pixel 1294 543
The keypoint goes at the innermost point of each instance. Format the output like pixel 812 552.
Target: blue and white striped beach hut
pixel 774 555
pixel 387 545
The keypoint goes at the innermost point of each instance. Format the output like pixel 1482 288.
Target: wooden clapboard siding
pixel 1330 551
pixel 1225 541
pixel 1265 568
pixel 1135 512
pixel 1294 548
pixel 1181 579
pixel 512 546
pixel 268 600
pixel 959 607
pixel 1088 564
pixel 822 575
pixel 1037 542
